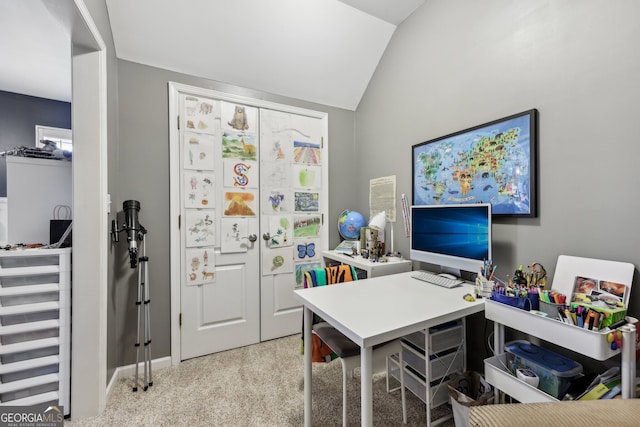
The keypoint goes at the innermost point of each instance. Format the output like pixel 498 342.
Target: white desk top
pixel 379 309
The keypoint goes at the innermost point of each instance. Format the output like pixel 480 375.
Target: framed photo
pixel 490 163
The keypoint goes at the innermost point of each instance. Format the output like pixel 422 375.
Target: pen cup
pixel 484 287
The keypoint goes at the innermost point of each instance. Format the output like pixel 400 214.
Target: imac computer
pixel 454 237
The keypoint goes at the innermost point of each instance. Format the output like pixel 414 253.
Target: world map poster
pixel 492 163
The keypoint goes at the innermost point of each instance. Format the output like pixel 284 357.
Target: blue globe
pixel 350 223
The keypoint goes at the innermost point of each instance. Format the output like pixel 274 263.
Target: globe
pixel 350 223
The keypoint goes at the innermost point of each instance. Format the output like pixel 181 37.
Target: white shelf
pixel 29 308
pixel 28 383
pixel 36 399
pixel 29 271
pixel 592 344
pixel 21 328
pixel 373 269
pixel 29 289
pixel 496 374
pixel 29 345
pixel 23 365
pixel 35 327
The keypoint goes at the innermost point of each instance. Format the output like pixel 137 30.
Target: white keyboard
pixel 434 279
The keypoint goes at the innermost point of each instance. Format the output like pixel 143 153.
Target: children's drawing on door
pixel 306 249
pixel 306 225
pixel 197 150
pixel 280 231
pixel 200 266
pixel 306 152
pixel 277 261
pixel 199 114
pixel 240 173
pixel 199 227
pixel 276 174
pixel 240 203
pixel 198 190
pixel 306 201
pixel 275 201
pixel 239 145
pixel 234 233
pixel 239 117
pixel 309 177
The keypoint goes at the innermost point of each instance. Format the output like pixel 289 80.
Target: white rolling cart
pixel 589 343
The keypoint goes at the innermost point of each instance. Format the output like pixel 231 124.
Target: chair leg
pixel 344 394
pixel 402 391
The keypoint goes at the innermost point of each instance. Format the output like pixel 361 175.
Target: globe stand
pixel 350 224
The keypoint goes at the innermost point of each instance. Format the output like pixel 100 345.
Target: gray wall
pixel 456 64
pixel 143 175
pixel 19 115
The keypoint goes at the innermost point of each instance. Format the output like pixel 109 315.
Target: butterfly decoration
pixel 308 249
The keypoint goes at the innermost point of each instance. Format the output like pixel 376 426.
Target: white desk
pixel 373 269
pixel 376 310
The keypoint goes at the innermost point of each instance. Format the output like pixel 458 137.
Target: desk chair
pixel 343 347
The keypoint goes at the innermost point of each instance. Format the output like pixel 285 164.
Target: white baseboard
pixel 130 371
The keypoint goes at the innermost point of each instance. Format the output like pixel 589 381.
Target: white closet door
pixel 242 169
pixel 219 286
pixel 294 203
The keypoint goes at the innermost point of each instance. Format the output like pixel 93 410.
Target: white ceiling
pixel 322 51
pixel 35 51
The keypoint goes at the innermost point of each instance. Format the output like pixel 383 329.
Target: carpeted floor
pixel 257 385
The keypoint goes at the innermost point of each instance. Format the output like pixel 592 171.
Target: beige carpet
pixel 257 385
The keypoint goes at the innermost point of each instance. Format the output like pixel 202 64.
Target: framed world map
pixel 490 163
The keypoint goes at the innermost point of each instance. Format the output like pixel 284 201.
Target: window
pixel 62 137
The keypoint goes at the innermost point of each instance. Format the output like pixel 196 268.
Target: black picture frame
pixel 495 163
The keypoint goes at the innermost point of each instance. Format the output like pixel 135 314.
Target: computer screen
pixel 455 237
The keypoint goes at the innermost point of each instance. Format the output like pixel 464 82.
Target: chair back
pixel 329 275
pixel 323 277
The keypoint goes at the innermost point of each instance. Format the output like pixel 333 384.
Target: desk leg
pixel 498 349
pixel 366 399
pixel 628 361
pixel 427 385
pixel 308 408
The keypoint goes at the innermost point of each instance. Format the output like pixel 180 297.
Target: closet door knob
pixel 266 237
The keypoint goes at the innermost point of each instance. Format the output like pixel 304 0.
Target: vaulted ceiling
pixel 323 51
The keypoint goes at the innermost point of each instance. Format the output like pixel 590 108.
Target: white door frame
pixel 90 231
pixel 174 185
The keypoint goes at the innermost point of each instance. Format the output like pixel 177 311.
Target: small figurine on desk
pixel 354 250
pixel 377 251
pixel 518 277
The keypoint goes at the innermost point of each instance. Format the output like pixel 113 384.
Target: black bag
pixel 58 226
